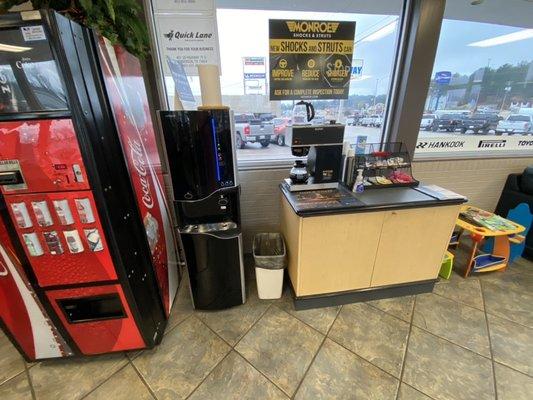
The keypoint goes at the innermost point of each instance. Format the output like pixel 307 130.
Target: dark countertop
pixel 342 200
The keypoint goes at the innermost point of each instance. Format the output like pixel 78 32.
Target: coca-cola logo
pixel 139 162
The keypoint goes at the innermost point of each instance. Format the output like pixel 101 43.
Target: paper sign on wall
pixel 310 59
pixel 190 39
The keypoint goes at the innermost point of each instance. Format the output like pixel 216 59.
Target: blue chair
pixel 521 215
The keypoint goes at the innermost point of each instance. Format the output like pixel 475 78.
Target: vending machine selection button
pixel 42 213
pixel 94 239
pixel 22 217
pixel 73 241
pixel 53 243
pixel 32 244
pixel 63 212
pixel 85 211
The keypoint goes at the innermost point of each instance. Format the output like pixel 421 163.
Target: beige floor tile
pixel 372 334
pixel 234 378
pixel 281 347
pixel 319 318
pixel 401 307
pixel 71 379
pixel 185 357
pixel 512 385
pixel 337 373
pixel 512 344
pixel 445 371
pixel 503 301
pixel 16 388
pixel 464 290
pixel 233 323
pixel 124 385
pixel 11 362
pixel 456 322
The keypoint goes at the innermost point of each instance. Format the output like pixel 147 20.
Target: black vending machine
pixel 201 153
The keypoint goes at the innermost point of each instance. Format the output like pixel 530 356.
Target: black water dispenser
pixel 201 153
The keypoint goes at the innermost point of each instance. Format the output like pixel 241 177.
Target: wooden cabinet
pixel 412 244
pixel 343 252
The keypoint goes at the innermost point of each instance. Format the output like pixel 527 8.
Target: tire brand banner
pixel 473 143
pixel 310 59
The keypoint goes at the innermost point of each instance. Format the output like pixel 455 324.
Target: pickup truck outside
pixel 480 123
pixel 249 129
pixel 516 123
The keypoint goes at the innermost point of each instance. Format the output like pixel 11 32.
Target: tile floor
pixel 469 339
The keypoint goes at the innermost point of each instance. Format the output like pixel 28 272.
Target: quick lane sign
pixel 310 59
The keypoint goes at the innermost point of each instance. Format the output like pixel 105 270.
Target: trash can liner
pixel 269 251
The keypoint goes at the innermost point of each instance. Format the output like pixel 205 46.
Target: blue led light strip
pixel 215 144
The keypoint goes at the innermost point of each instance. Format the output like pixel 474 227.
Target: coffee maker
pixel 322 144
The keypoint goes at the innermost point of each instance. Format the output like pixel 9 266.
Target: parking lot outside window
pixel 480 99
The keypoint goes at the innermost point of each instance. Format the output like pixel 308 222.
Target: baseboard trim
pixel 354 296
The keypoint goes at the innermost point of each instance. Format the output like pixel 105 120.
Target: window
pixel 480 98
pixel 243 35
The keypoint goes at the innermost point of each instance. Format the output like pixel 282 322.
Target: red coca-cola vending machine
pixel 88 260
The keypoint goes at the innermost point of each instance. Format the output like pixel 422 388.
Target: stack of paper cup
pixel 210 86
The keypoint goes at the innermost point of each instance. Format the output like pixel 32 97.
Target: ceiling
pixel 502 12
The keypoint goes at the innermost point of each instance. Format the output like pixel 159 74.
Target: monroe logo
pixel 312 26
pixel 186 35
pixel 441 145
pixel 137 156
pixel 491 144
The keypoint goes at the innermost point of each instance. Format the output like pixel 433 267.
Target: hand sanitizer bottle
pixel 359 186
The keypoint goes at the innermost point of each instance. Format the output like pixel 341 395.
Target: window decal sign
pixel 254 75
pixel 310 59
pixel 473 143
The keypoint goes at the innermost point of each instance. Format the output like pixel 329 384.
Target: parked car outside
pixel 427 121
pixel 249 129
pixel 353 120
pixel 480 123
pixel 280 130
pixel 516 123
pixel 371 120
pixel 447 122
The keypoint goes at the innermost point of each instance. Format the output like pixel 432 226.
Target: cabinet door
pixel 337 252
pixel 412 244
